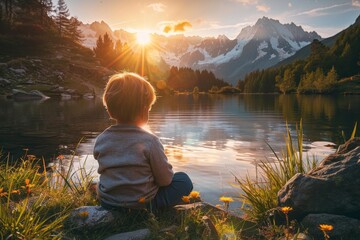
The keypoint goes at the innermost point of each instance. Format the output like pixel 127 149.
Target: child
pixel 134 170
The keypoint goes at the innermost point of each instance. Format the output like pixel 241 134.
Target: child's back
pixel 134 170
pixel 132 166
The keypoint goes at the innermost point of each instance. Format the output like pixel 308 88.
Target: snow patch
pixel 261 53
pixel 274 41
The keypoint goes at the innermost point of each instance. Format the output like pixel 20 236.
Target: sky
pixel 215 17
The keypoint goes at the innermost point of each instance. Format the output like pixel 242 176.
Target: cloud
pixel 289 4
pixel 157 7
pixel 322 11
pixel 174 27
pixel 180 27
pixel 263 8
pixel 167 29
pixel 356 3
pixel 247 2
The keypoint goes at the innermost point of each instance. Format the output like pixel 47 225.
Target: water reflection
pixel 211 137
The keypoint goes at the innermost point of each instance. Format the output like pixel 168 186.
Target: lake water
pixel 211 137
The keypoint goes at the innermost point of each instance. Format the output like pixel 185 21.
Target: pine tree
pixel 73 31
pixel 62 18
pixel 104 49
pixel 287 83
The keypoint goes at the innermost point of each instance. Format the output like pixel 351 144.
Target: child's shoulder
pixel 126 131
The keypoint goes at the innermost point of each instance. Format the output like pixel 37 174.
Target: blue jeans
pixel 171 195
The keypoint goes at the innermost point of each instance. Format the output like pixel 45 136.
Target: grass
pixel 35 204
pixel 260 197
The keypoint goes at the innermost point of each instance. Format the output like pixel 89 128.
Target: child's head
pixel 128 98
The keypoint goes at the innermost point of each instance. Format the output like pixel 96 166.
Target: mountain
pixel 256 47
pixel 304 52
pixel 331 66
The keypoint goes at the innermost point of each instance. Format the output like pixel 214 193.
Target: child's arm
pixel 160 166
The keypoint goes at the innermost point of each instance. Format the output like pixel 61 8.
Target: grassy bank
pixel 35 203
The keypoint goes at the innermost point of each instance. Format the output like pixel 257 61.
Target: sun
pixel 143 38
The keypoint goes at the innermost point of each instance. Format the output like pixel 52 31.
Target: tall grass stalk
pixel 260 196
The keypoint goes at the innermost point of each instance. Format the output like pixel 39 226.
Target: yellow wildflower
pixel 28 186
pixel 84 214
pixel 194 194
pixel 142 200
pixel 27 183
pixel 325 227
pixel 15 191
pixel 185 199
pixel 2 194
pixel 226 199
pixel 286 210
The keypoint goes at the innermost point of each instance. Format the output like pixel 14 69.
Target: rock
pixel 32 95
pixel 343 227
pixel 18 70
pixel 89 96
pixel 332 187
pixel 90 217
pixel 135 235
pixel 4 82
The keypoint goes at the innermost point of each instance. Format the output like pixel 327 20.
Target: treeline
pixel 318 73
pixel 187 79
pixel 38 18
pixel 124 56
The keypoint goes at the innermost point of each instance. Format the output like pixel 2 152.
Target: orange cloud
pixel 177 27
pixel 167 29
pixel 180 27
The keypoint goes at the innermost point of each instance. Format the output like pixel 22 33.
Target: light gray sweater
pixel 132 165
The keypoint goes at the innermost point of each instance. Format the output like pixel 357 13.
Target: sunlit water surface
pixel 214 139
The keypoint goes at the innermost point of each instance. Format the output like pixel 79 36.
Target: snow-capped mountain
pixel 256 47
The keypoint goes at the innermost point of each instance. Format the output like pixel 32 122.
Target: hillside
pixel 304 52
pixel 332 68
pixel 53 68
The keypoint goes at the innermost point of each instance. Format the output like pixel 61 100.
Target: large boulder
pixel 332 187
pixel 343 227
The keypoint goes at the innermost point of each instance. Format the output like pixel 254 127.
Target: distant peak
pixel 222 37
pixel 265 21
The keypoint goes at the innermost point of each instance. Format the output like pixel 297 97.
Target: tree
pixel 306 83
pixel 319 80
pixel 104 49
pixel 287 83
pixel 62 18
pixel 73 31
pixel 330 79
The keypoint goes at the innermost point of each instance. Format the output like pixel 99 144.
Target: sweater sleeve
pixel 161 168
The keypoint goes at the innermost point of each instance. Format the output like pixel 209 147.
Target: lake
pixel 211 137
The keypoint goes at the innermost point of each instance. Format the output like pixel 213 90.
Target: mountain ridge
pixel 262 45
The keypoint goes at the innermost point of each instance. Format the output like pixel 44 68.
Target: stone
pixel 18 94
pixel 3 80
pixel 343 227
pixel 332 187
pixel 18 70
pixel 134 235
pixel 90 217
